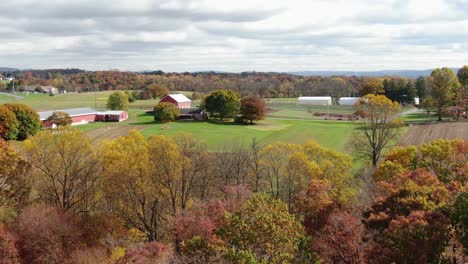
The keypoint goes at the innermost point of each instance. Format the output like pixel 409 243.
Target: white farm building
pixel 315 100
pixel 348 100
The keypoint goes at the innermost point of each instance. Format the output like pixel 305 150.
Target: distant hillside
pixel 382 73
pixel 6 69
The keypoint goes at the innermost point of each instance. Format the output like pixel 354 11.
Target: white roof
pixel 112 113
pixel 349 98
pixel 315 98
pixel 72 112
pixel 180 98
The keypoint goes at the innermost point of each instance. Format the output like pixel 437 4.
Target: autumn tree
pixel 9 125
pixel 379 126
pixel 264 227
pixel 372 86
pixel 274 161
pixel 130 187
pixel 29 122
pixel 166 112
pixel 340 240
pixel 429 103
pixel 154 91
pixel 9 253
pixel 117 101
pixel 48 235
pixel 66 169
pixel 15 185
pixel 59 119
pixel 223 103
pixel 314 205
pixel 252 108
pixel 409 219
pixel 444 87
pixel 334 168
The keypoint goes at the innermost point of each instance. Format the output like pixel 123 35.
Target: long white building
pixel 348 100
pixel 315 100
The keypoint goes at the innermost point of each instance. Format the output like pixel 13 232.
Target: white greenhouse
pixel 348 100
pixel 315 100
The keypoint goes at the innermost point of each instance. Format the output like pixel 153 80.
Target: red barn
pixel 85 115
pixel 180 100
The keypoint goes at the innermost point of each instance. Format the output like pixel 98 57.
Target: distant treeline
pixel 267 85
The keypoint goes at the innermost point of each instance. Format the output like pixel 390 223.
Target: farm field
pixel 420 134
pixel 73 100
pixel 334 135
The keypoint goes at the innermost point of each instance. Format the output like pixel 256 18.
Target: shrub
pixel 166 112
pixel 48 235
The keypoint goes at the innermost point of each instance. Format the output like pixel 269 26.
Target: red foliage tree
pixel 340 240
pixel 9 253
pixel 48 235
pixel 152 252
pixel 315 205
pixel 417 238
pixel 253 108
pixel 203 219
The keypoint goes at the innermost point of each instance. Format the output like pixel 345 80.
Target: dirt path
pixel 111 132
pixel 420 134
pixel 14 96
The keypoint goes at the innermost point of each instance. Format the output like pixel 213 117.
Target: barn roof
pixel 180 98
pixel 72 112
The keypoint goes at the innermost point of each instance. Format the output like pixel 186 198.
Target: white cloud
pixel 262 35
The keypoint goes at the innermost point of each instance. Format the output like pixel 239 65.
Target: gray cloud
pixel 184 35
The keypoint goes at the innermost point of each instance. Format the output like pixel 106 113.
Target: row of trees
pixel 169 200
pixel 443 90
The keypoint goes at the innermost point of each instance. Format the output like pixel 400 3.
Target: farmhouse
pixel 39 89
pixel 315 100
pixel 180 100
pixel 85 115
pixel 348 100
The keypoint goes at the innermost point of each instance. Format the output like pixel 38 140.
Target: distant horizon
pixel 234 72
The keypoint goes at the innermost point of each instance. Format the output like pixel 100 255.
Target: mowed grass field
pixel 74 100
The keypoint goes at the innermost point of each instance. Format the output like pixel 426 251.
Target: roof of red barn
pixel 180 98
pixel 72 112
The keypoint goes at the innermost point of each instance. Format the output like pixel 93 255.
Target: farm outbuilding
pixel 348 100
pixel 180 100
pixel 315 100
pixel 81 116
pixel 112 116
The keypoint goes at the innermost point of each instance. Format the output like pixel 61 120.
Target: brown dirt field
pixel 111 132
pixel 420 134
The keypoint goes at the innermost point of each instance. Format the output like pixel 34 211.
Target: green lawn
pixel 217 135
pixel 75 100
pixel 421 116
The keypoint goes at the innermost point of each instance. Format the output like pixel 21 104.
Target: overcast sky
pixel 234 35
